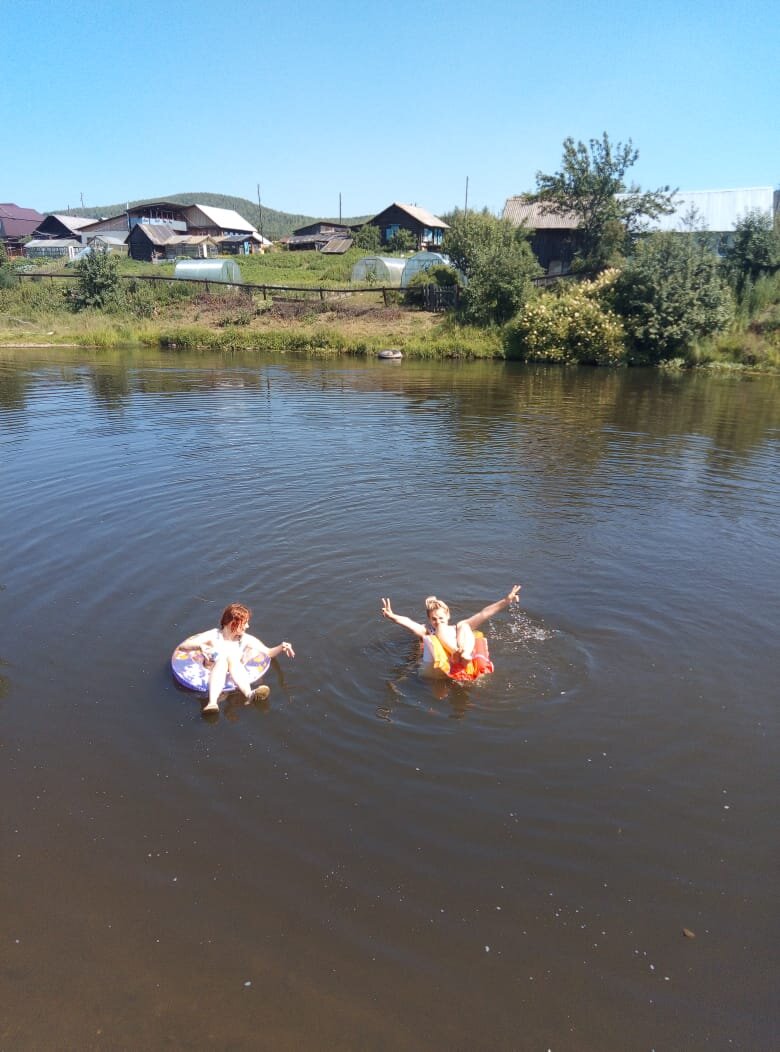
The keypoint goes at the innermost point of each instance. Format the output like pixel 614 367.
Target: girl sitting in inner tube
pixel 225 649
pixel 455 651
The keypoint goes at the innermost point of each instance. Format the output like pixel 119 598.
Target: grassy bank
pixel 187 317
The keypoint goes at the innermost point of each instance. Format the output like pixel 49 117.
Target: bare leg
pixel 216 683
pixel 464 637
pixel 240 677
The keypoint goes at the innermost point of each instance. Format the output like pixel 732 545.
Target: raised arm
pixel 495 608
pixel 404 622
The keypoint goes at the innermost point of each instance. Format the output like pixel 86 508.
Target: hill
pixel 272 223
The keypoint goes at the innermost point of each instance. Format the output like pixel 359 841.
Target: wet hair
pixel 234 612
pixel 432 603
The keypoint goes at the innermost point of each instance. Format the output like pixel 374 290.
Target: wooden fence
pixel 303 291
pixel 434 298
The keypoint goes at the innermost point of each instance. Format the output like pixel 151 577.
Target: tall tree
pixel 592 186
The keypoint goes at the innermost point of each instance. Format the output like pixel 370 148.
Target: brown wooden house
pixel 317 236
pixel 427 228
pixel 556 236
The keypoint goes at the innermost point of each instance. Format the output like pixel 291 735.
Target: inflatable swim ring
pixel 189 669
pixel 461 671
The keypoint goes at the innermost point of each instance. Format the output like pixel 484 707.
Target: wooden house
pixel 155 226
pixel 158 213
pixel 322 236
pixel 243 244
pixel 58 227
pixel 427 228
pixel 556 236
pixel 16 224
pixel 152 242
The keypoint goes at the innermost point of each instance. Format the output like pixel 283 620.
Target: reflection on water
pixel 371 859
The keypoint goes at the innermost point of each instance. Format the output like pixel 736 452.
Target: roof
pixel 337 245
pixel 718 211
pixel 72 222
pixel 322 226
pixel 144 206
pixel 54 242
pixel 238 239
pixel 164 235
pixel 224 218
pixel 18 222
pixel 158 234
pixel 520 211
pixel 422 215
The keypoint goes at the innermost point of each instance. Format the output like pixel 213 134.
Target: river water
pixel 369 860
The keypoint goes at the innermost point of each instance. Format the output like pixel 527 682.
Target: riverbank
pixel 175 316
pixel 230 323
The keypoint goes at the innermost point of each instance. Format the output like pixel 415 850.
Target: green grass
pixel 187 316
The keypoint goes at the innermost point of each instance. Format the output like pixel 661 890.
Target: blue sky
pixel 377 102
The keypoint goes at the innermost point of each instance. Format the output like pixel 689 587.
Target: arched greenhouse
pixel 379 270
pixel 422 261
pixel 224 270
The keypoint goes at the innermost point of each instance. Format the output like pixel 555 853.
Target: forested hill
pixel 274 224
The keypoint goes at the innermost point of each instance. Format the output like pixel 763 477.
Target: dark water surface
pixel 368 862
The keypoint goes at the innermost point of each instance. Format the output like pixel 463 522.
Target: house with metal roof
pixel 427 228
pixel 16 224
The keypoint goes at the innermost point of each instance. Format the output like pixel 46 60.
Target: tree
pixel 369 238
pixel 497 261
pixel 591 185
pixel 755 250
pixel 670 294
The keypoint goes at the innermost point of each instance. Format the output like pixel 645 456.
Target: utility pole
pixel 260 207
pixel 339 208
pixel 466 205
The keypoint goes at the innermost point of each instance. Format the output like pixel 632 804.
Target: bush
pixel 99 285
pixel 402 241
pixel 571 323
pixel 368 238
pixel 671 294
